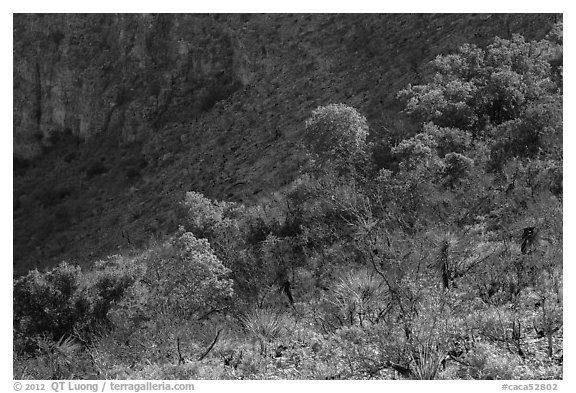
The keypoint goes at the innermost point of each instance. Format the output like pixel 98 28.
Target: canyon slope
pixel 117 116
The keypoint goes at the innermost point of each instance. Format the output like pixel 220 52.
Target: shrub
pixel 63 359
pixel 207 218
pixel 489 362
pixel 336 133
pixel 508 94
pixel 457 167
pixel 108 282
pixel 365 352
pixel 188 371
pixel 448 140
pixel 65 300
pixel 183 279
pixel 49 303
pixel 420 151
pixel 195 278
pixel 234 233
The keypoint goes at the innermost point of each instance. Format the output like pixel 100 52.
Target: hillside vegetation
pixel 420 242
pixel 133 111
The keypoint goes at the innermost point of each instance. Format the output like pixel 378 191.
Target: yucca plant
pixel 266 325
pixel 60 355
pixel 359 296
pixel 427 361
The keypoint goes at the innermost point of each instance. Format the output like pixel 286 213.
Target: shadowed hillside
pixel 116 117
pixel 288 197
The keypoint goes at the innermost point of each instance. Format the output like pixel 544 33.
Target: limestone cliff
pixel 95 74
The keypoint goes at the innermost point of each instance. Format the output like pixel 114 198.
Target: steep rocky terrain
pixel 117 116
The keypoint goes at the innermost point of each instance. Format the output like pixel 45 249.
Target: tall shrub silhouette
pixel 336 133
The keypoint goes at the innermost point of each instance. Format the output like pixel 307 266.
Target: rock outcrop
pixel 92 75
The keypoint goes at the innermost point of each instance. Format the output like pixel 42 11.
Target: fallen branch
pixel 211 346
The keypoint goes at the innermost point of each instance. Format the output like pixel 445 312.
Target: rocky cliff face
pixel 116 116
pixel 91 75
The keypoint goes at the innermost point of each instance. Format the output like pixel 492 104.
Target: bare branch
pixel 210 347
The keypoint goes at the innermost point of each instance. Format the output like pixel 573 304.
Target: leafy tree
pixel 457 167
pixel 336 133
pixel 234 233
pixel 207 218
pixel 183 279
pixel 507 93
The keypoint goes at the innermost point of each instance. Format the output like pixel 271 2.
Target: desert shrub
pixel 508 95
pixel 281 255
pixel 463 94
pixel 322 207
pixel 192 370
pixel 161 341
pixel 457 167
pixel 418 152
pixel 108 282
pixel 336 133
pixel 222 223
pixel 183 279
pixel 202 213
pixel 448 140
pixel 65 301
pixel 268 216
pixel 539 369
pixel 235 234
pixel 62 359
pixel 194 278
pixel 366 352
pixel 298 353
pixel 487 361
pixel 49 303
pixel 205 217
